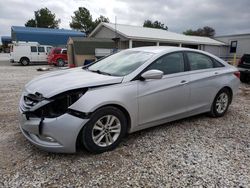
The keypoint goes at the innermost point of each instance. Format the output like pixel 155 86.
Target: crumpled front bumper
pixel 53 134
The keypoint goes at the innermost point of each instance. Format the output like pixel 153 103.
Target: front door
pixel 164 99
pixel 42 54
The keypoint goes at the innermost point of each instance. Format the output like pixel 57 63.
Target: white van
pixel 26 52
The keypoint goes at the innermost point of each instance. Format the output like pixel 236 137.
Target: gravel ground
pixel 197 151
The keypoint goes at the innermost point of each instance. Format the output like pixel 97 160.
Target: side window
pixel 48 49
pixel 33 49
pixel 169 64
pixel 217 64
pixel 199 61
pixel 41 49
pixel 64 52
pixel 57 51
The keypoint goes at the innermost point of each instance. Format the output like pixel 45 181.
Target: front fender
pixel 124 95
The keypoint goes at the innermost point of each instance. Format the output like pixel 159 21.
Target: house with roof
pixel 128 36
pixel 44 36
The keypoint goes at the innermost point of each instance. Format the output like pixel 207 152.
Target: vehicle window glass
pixel 33 49
pixel 121 63
pixel 48 49
pixel 64 52
pixel 41 49
pixel 199 61
pixel 169 64
pixel 57 51
pixel 217 64
pixel 246 58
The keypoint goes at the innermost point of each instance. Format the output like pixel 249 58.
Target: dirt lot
pixel 198 151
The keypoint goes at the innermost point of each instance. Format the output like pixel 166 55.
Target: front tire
pixel 60 62
pixel 105 130
pixel 221 103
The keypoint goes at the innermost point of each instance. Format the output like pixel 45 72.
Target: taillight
pixel 237 74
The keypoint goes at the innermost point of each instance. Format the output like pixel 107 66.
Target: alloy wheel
pixel 106 130
pixel 222 103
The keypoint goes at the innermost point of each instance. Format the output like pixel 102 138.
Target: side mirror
pixel 152 74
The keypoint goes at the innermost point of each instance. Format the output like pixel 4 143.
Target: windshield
pixel 122 63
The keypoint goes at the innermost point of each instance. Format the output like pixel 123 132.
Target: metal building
pixel 6 40
pixel 44 36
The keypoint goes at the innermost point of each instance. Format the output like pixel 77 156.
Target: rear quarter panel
pixel 205 84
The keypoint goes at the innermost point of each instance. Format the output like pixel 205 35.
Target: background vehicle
pixel 27 52
pixel 134 89
pixel 58 56
pixel 244 68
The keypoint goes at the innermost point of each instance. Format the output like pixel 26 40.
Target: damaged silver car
pixel 97 105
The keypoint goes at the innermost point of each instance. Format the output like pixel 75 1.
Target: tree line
pixel 82 21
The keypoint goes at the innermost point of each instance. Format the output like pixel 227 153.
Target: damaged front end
pixel 49 123
pixel 36 106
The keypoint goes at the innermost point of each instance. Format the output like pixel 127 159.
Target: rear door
pixel 164 98
pixel 204 81
pixel 42 54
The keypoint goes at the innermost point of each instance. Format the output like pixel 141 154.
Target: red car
pixel 58 57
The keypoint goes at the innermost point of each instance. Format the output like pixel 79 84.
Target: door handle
pixel 216 73
pixel 184 82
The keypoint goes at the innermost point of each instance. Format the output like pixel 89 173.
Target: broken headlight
pixel 59 104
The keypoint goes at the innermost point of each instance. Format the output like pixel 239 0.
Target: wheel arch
pixel 120 107
pixel 24 57
pixel 230 92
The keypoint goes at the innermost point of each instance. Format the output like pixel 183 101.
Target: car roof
pixel 162 49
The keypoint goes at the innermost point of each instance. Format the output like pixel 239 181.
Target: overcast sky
pixel 225 16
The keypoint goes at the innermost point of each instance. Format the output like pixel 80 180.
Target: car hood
pixel 56 82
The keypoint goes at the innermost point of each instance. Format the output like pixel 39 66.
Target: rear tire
pixel 24 61
pixel 221 103
pixel 105 130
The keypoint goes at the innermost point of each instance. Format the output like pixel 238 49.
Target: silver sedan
pixel 97 105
